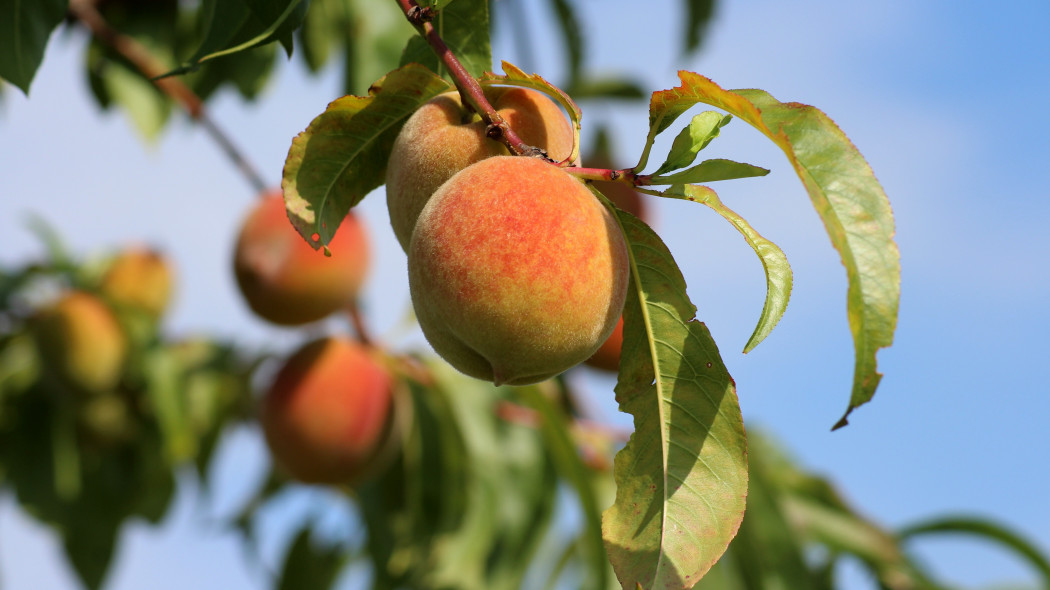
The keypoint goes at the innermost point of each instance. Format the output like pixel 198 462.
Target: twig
pixel 140 57
pixel 469 88
pixel 358 322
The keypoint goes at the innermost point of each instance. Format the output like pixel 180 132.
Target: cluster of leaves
pixel 471 499
pixel 86 463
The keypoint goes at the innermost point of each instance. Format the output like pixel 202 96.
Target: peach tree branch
pixel 85 12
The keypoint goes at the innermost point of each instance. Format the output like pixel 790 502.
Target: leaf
pixel 308 567
pixel 464 27
pixel 570 30
pixel 25 26
pixel 700 132
pixel 606 87
pixel 712 171
pixel 555 430
pixel 342 155
pixel 236 25
pixel 989 531
pixel 682 478
pixel 843 189
pixel 774 262
pixel 698 14
pixel 166 393
pixel 514 76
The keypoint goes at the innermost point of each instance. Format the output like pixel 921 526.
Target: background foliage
pixel 147 87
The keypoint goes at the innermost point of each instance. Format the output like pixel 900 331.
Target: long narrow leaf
pixel 843 190
pixel 681 480
pixel 774 262
pixel 989 531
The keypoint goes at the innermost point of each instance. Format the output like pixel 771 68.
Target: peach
pixel 81 342
pixel 328 412
pixel 443 137
pixel 139 278
pixel 287 282
pixel 517 272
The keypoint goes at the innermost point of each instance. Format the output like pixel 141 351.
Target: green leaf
pixel 342 155
pixel 309 567
pixel 236 25
pixel 464 27
pixel 987 530
pixel 711 171
pixel 698 14
pixel 25 26
pixel 844 192
pixel 606 87
pixel 555 430
pixel 115 82
pixel 89 545
pixel 768 553
pixel 695 137
pixel 774 262
pixel 164 386
pixel 682 478
pixel 570 30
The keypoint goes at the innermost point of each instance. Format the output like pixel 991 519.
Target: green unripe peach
pixel 81 343
pixel 328 412
pixel 443 137
pixel 139 278
pixel 517 272
pixel 283 279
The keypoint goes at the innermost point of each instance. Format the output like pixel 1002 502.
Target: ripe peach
pixel 443 137
pixel 517 272
pixel 328 411
pixel 81 343
pixel 139 278
pixel 287 282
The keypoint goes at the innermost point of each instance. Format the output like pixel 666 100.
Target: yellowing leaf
pixel 844 192
pixel 342 155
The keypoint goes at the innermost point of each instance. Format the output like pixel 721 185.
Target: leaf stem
pixel 469 89
pixel 140 57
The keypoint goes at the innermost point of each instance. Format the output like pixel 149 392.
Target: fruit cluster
pixel 517 273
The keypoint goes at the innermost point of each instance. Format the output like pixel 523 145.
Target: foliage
pixel 471 491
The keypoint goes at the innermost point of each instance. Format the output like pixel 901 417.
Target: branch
pixel 469 89
pixel 147 65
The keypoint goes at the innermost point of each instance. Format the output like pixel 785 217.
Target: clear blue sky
pixel 945 99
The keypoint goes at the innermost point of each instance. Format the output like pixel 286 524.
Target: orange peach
pixel 443 137
pixel 517 272
pixel 328 412
pixel 139 278
pixel 81 343
pixel 287 282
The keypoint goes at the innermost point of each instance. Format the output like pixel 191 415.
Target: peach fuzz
pixel 81 342
pixel 443 137
pixel 283 279
pixel 328 412
pixel 517 272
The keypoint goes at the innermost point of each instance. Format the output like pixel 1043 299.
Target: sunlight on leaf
pixel 681 480
pixel 774 262
pixel 695 137
pixel 844 192
pixel 712 171
pixel 342 155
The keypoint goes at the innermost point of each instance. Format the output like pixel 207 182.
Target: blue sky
pixel 945 101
